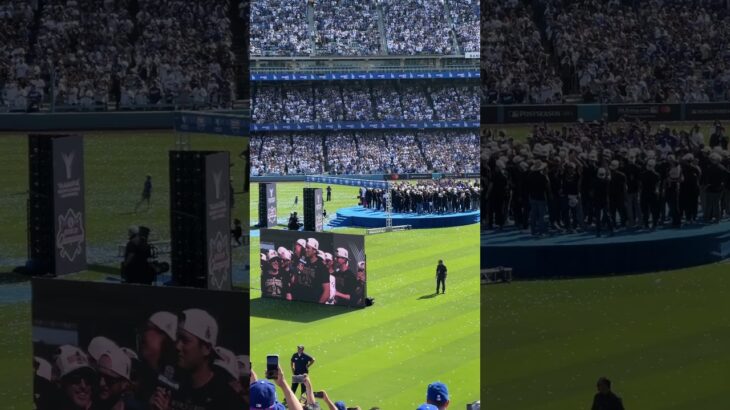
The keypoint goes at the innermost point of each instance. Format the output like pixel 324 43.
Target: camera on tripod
pixel 140 258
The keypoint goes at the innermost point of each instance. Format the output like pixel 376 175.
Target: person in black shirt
pixel 135 267
pixel 715 178
pixel 329 193
pixel 572 209
pixel 273 282
pixel 689 190
pixel 633 173
pixel 345 279
pixel 650 189
pixel 605 399
pixel 617 193
pixel 146 193
pixel 498 197
pixel 312 279
pixel 237 231
pixel 441 277
pixel 601 198
pixel 300 364
pixel 539 192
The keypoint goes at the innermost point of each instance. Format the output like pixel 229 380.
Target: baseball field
pixel 115 167
pixel 384 355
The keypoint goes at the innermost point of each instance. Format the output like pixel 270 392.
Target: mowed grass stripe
pixel 16 373
pixel 649 333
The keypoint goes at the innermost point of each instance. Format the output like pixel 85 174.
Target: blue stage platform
pixel 368 218
pixel 583 254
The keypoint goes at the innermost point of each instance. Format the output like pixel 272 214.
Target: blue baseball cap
pixel 340 405
pixel 438 393
pixel 426 406
pixel 263 395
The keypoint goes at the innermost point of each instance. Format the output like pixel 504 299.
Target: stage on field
pixel 370 218
pixel 584 254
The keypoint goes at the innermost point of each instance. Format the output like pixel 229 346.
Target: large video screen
pixel 319 267
pixel 106 345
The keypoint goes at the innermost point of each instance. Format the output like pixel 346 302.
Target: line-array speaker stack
pixel 267 205
pixel 56 214
pixel 313 206
pixel 200 216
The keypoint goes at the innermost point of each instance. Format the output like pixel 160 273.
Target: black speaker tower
pixel 313 209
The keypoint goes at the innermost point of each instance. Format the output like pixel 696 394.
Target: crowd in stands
pixel 601 178
pixel 367 101
pixel 89 55
pixel 407 151
pixel 616 51
pixel 515 67
pixel 353 28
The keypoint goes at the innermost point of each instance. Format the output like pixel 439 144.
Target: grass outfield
pixel 661 338
pixel 384 355
pixel 115 167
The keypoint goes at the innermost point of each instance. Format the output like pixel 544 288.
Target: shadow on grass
pixel 304 312
pixel 431 296
pixel 9 278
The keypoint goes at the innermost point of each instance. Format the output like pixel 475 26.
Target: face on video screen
pixel 313 267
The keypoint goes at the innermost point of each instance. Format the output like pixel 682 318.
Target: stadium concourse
pixel 140 56
pixel 618 51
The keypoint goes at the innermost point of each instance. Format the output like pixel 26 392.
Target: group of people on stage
pixel 426 197
pixel 603 176
pixel 176 365
pixel 307 273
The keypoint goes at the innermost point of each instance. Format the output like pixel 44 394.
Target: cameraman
pixel 135 268
pixel 294 224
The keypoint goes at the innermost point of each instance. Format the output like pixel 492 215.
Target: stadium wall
pixel 78 121
pixel 371 177
pixel 515 114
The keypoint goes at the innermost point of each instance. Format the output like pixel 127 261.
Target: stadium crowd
pixel 613 51
pixel 351 28
pixel 366 101
pixel 365 152
pixel 90 55
pixel 600 177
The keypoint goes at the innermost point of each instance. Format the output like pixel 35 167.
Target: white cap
pixel 313 243
pixel 200 324
pixel 227 361
pixel 327 256
pixel 99 345
pixel 361 265
pixel 302 242
pixel 119 363
pixel 167 322
pixel 272 255
pixel 71 358
pixel 243 365
pixel 44 368
pixel 130 353
pixel 342 253
pixel 284 253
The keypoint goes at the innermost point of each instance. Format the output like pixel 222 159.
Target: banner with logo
pixel 707 112
pixel 321 179
pixel 218 219
pixel 651 112
pixel 539 113
pixel 210 123
pixel 363 125
pixel 108 345
pixel 68 204
pixel 319 267
pixel 414 75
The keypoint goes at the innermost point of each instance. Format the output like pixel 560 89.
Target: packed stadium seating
pixel 411 100
pixel 365 152
pixel 90 55
pixel 605 51
pixel 359 28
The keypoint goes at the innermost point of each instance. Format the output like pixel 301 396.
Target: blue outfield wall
pixel 514 114
pixel 359 76
pixel 234 123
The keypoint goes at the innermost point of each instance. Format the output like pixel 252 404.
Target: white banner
pixel 471 54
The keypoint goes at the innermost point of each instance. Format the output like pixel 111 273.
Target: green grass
pixel 661 338
pixel 384 355
pixel 115 167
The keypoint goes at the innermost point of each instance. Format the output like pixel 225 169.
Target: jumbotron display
pixel 314 267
